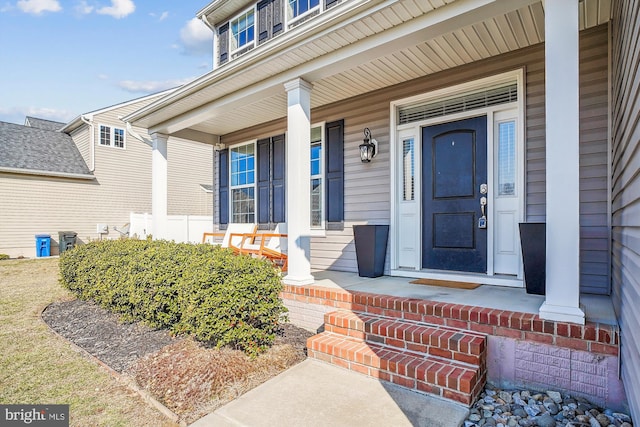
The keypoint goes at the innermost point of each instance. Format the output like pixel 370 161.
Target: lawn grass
pixel 38 367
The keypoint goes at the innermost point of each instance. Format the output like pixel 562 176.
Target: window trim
pixel 291 21
pixel 236 187
pixel 323 219
pixel 232 52
pixel 112 137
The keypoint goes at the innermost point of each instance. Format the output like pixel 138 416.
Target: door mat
pixel 445 283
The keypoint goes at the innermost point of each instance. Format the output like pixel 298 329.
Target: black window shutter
pixel 278 178
pixel 223 43
pixel 277 22
pixel 264 174
pixel 334 175
pixel 265 8
pixel 223 185
pixel 330 3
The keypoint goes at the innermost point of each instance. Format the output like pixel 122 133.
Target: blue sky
pixel 62 58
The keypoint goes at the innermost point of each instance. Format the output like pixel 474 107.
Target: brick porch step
pixel 422 373
pixel 434 359
pixel 435 340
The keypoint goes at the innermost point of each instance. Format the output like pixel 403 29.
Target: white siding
pixel 37 204
pixel 626 191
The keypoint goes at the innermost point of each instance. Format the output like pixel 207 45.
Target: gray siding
pixel 367 185
pixel 626 190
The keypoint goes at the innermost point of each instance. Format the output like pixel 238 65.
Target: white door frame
pixel 398 132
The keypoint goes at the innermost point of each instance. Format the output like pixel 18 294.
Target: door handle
pixel 482 222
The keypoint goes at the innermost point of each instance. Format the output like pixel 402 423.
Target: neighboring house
pixel 72 177
pixel 537 100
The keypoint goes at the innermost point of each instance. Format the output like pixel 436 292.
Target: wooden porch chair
pixel 272 246
pixel 232 237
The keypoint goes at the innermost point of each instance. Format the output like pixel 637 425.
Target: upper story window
pixel 243 30
pixel 299 8
pixel 111 136
pixel 262 22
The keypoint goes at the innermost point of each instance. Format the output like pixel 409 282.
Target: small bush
pixel 3 257
pixel 202 290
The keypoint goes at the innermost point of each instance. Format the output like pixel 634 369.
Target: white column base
pixel 562 313
pixel 298 280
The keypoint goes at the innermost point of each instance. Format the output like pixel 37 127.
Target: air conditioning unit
pixel 102 229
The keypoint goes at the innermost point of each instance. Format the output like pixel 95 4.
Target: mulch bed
pixel 100 332
pixel 119 345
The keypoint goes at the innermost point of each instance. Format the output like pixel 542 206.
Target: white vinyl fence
pixel 181 228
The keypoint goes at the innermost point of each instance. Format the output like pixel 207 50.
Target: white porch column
pixel 562 301
pixel 159 185
pixel 298 182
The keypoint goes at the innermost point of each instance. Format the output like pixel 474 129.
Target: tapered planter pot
pixel 534 252
pixel 371 249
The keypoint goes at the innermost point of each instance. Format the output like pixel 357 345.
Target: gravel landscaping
pixel 524 408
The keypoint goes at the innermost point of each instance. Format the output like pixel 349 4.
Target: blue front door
pixel 454 166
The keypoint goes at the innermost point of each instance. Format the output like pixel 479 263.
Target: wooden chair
pixel 232 237
pixel 271 246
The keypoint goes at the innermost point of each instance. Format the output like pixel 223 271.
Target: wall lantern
pixel 369 148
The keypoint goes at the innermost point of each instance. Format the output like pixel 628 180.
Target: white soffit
pixel 500 34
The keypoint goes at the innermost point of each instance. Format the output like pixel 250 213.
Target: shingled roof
pixel 30 149
pixel 45 124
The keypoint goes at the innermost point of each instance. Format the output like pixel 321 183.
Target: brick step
pixel 422 373
pixel 435 340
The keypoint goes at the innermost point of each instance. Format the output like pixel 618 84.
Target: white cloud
pixel 118 9
pixel 103 77
pixel 161 17
pixel 150 86
pixel 37 7
pixel 18 114
pixel 196 38
pixel 83 8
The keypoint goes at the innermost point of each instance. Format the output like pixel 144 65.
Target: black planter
pixel 371 249
pixel 534 252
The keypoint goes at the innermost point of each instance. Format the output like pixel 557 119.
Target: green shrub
pixel 202 290
pixel 3 257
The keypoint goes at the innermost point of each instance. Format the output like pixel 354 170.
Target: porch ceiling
pixel 354 51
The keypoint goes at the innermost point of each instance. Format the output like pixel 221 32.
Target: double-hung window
pixel 317 160
pixel 242 171
pixel 243 30
pixel 298 8
pixel 111 136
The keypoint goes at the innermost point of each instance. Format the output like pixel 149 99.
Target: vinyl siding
pixel 626 190
pixel 37 204
pixel 367 185
pixel 82 140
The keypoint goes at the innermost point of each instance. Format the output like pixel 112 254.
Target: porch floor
pixel 597 308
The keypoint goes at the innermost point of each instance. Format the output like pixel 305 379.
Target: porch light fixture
pixel 369 148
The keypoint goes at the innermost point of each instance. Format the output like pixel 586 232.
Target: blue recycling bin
pixel 43 245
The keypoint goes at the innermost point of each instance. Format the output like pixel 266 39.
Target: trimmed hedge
pixel 202 290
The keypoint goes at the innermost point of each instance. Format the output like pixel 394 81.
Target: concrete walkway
pixel 314 393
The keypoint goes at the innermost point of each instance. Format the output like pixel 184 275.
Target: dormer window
pixel 243 30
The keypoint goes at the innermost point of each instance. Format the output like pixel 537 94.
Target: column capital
pixel 157 136
pixel 298 84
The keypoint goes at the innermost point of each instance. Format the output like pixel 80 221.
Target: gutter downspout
pixel 92 141
pixel 137 136
pixel 204 19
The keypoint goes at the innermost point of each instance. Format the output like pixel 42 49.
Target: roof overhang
pixel 46 173
pixel 354 48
